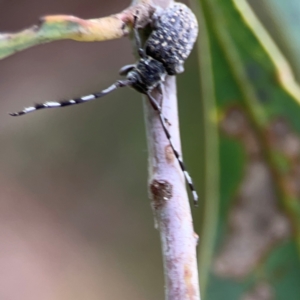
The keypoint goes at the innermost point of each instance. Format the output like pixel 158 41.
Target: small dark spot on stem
pixel 40 23
pixel 161 191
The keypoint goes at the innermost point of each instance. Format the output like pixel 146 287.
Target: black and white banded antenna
pixel 164 55
pixel 63 103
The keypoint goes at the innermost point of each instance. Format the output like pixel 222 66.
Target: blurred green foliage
pixel 255 250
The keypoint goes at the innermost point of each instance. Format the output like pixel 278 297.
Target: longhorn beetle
pixel 169 44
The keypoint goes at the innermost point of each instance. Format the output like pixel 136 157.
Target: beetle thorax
pixel 147 75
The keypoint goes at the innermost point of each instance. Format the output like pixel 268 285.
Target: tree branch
pixel 170 201
pixel 62 27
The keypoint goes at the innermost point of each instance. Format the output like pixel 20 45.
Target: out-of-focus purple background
pixel 75 219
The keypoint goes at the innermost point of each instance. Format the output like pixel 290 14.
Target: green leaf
pixel 250 96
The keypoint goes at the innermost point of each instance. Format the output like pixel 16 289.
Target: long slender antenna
pixel 188 178
pixel 84 99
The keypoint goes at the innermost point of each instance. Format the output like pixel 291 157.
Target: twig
pixel 62 27
pixel 170 202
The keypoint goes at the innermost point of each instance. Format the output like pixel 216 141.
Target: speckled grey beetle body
pixel 174 33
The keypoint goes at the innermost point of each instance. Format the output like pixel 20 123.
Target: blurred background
pixel 75 218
